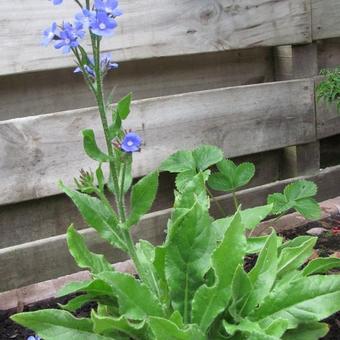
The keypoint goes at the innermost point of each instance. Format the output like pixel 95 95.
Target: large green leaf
pixel 307 331
pixel 231 177
pixel 136 301
pixel 142 197
pixel 179 162
pixel 206 156
pixel 183 178
pixel 83 257
pixel 91 148
pixel 255 244
pixel 189 247
pixel 54 324
pixel 107 325
pixel 164 329
pixel 209 302
pixel 293 257
pixel 97 287
pixel 77 302
pixel 263 275
pixel 321 265
pixel 98 216
pixel 310 299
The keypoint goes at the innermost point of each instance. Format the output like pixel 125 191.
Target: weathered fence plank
pixel 37 151
pixel 49 258
pixel 156 29
pixel 325 19
pixel 51 91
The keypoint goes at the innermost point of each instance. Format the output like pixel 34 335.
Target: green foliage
pixel 230 176
pixel 91 148
pixel 329 89
pixel 299 196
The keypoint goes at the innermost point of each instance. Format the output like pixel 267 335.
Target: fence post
pixel 296 62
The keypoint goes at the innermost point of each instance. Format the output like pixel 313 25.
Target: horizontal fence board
pixel 156 29
pixel 39 219
pixel 329 53
pixel 37 151
pixel 51 91
pixel 46 259
pixel 325 19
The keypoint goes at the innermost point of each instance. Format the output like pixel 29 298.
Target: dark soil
pixel 328 244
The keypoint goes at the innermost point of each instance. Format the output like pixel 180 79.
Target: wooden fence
pixel 240 75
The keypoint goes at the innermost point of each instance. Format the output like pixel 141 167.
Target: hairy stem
pixel 236 203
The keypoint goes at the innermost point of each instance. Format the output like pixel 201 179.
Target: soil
pixel 328 244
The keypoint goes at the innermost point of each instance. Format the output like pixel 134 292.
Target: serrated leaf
pixel 208 302
pixel 206 156
pixel 55 324
pixel 179 162
pixel 311 299
pixel 164 329
pixel 123 107
pixel 136 301
pixel 183 178
pixel 308 208
pixel 108 325
pixel 244 173
pixel 300 189
pixel 84 258
pixel 142 197
pixel 190 244
pixel 307 331
pixel 321 265
pixel 219 182
pixel 292 258
pixel 98 216
pixel 279 202
pixel 91 148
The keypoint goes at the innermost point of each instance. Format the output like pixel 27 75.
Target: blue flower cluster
pixel 100 20
pixel 106 64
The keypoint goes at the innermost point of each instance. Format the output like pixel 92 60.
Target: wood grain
pixel 325 19
pixel 151 29
pixel 49 258
pixel 51 91
pixel 37 151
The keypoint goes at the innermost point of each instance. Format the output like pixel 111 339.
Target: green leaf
pixel 100 178
pixel 123 106
pixel 251 218
pixel 211 301
pixel 128 178
pixel 142 197
pixel 256 244
pixel 108 325
pixel 231 177
pixel 190 243
pixel 136 301
pixel 164 329
pixel 83 257
pixel 293 257
pixel 307 331
pixel 297 195
pixel 321 265
pixel 251 330
pixel 206 156
pixel 277 328
pixel 77 302
pixel 91 148
pixel 179 162
pixel 183 178
pixel 311 299
pixel 263 274
pixel 98 216
pixel 55 324
pixel 94 287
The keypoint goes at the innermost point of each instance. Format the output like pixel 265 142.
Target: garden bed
pixel 328 244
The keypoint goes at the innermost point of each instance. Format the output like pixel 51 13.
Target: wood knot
pixel 210 14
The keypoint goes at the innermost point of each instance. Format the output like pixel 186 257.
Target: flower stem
pixel 236 203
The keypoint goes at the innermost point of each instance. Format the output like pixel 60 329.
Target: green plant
pixel 329 89
pixel 194 285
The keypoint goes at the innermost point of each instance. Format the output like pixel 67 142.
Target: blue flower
pixel 108 6
pixel 131 143
pixel 33 337
pixel 57 2
pixel 102 24
pixel 85 17
pixel 105 65
pixel 69 36
pixel 49 34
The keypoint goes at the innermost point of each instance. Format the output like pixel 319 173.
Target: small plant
pixel 329 89
pixel 193 286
